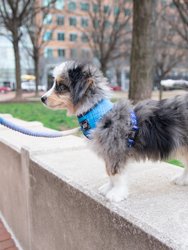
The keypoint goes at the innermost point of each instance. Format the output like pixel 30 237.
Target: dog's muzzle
pixel 43 99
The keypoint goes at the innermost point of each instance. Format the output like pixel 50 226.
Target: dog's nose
pixel 43 99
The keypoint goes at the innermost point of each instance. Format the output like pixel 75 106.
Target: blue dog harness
pixel 88 121
pixel 134 131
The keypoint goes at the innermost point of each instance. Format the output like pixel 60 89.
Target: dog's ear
pixel 80 89
pixel 80 83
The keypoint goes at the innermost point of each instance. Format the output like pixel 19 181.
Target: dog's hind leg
pixel 182 180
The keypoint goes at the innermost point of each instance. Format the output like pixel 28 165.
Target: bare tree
pixel 168 46
pixel 36 26
pixel 142 53
pixel 108 31
pixel 182 28
pixel 13 15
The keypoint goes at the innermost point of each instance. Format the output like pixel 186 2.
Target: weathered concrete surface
pixel 49 196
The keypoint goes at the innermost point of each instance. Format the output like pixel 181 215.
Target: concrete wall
pixel 49 197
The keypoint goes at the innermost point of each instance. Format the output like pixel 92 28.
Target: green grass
pixel 176 162
pixel 35 111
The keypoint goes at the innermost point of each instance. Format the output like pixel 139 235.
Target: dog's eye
pixel 60 88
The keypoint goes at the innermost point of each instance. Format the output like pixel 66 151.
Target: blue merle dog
pixel 120 132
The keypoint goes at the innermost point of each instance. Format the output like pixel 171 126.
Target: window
pixel 73 53
pixel 61 52
pixel 127 12
pixel 95 8
pixel 60 20
pixel 84 6
pixel 84 22
pixel 84 38
pixel 172 5
pixel 47 19
pixel 48 52
pixel 96 24
pixel 46 2
pixel 72 6
pixel 85 54
pixel 72 21
pixel 60 36
pixel 117 26
pixel 107 24
pixel 106 39
pixel 116 10
pixel 106 9
pixel 47 36
pixel 73 37
pixel 59 4
pixel 163 2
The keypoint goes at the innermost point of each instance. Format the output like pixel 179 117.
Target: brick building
pixel 64 32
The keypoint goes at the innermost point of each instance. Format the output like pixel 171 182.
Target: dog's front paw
pixel 117 194
pixel 181 180
pixel 104 189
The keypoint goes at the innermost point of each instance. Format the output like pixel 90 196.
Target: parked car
pixel 30 86
pixel 174 84
pixel 4 89
pixel 115 88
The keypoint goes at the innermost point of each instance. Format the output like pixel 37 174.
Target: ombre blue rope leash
pixel 26 131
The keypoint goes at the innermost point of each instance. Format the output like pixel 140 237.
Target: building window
pixel 59 4
pixel 72 6
pixel 72 21
pixel 60 36
pixel 60 20
pixel 61 52
pixel 84 38
pixel 107 24
pixel 106 8
pixel 73 53
pixel 48 52
pixel 127 12
pixel 47 36
pixel 172 5
pixel 163 2
pixel 47 19
pixel 117 26
pixel 116 10
pixel 84 22
pixel 95 8
pixel 96 24
pixel 73 37
pixel 84 6
pixel 46 2
pixel 85 53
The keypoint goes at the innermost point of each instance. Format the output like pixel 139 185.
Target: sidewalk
pixel 6 242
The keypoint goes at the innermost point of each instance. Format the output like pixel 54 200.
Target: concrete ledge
pixel 49 197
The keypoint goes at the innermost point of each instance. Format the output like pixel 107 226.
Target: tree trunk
pixel 36 65
pixel 103 67
pixel 142 54
pixel 17 66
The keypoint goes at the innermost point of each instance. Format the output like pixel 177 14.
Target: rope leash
pixel 30 132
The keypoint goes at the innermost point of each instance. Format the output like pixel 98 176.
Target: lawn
pixel 35 111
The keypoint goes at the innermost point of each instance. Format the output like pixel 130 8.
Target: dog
pixel 120 132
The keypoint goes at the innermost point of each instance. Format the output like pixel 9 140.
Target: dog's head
pixel 76 87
